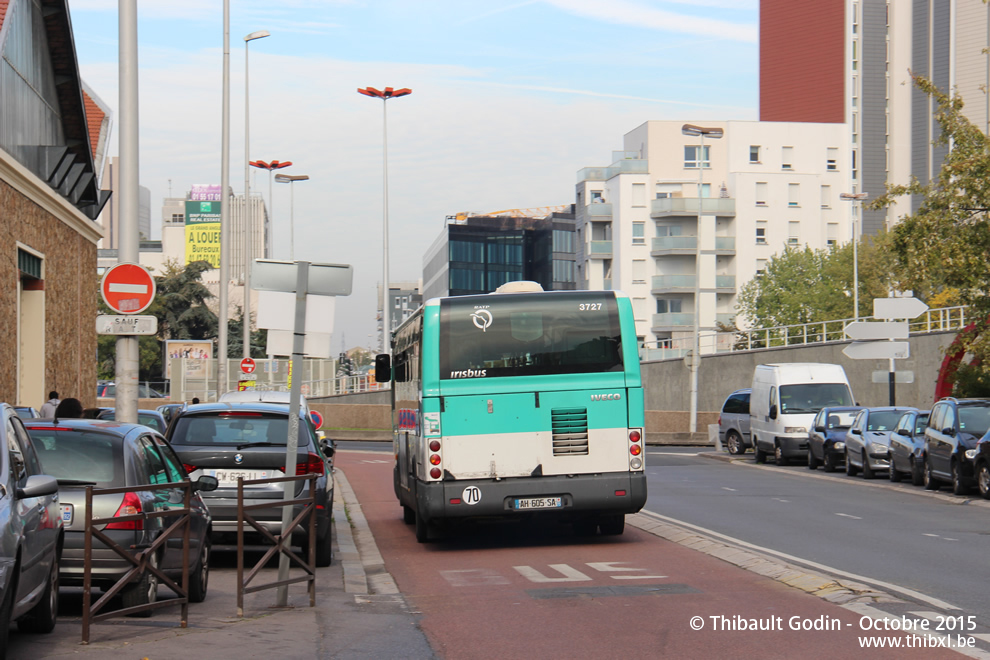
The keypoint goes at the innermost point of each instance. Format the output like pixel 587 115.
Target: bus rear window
pixel 529 334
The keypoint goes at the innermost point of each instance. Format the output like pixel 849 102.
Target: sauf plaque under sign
pixel 126 325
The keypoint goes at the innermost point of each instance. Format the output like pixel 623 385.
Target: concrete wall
pixel 667 387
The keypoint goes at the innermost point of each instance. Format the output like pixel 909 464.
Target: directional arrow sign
pixel 881 330
pixel 898 308
pixel 877 350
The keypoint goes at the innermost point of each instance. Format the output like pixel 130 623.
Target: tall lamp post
pixel 714 133
pixel 385 95
pixel 855 197
pixel 260 34
pixel 274 165
pixel 289 179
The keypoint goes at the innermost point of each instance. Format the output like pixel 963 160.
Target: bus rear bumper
pixel 580 496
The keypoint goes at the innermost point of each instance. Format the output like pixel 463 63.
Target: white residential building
pixel 764 185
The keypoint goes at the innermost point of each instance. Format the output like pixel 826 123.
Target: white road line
pixel 866 610
pixel 983 637
pixel 846 515
pixel 910 593
pixel 729 489
pixel 669 453
pixel 784 501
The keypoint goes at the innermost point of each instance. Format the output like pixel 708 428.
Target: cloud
pixel 623 12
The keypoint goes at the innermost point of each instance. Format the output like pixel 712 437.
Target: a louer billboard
pixel 203 232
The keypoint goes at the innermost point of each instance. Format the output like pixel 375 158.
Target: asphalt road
pixel 932 543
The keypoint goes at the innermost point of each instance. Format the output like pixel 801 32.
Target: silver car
pixel 868 440
pixel 31 535
pixel 733 422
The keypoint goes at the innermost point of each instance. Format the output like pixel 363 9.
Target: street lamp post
pixel 855 197
pixel 714 133
pixel 274 165
pixel 385 95
pixel 260 34
pixel 289 179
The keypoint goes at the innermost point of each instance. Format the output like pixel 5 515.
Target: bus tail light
pixel 635 435
pixel 435 459
pixel 636 463
pixel 435 473
pixel 635 450
pixel 435 445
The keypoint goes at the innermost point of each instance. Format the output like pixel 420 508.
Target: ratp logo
pixel 482 319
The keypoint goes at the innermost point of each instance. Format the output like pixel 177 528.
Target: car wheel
pixel 734 443
pixel 324 549
pixel 868 472
pixel 612 525
pixel 144 591
pixel 850 468
pixel 5 608
pixel 41 617
pixel 812 461
pixel 894 475
pixel 917 472
pixel 408 515
pixel 778 454
pixel 829 462
pixel 760 456
pixel 983 480
pixel 930 482
pixel 199 578
pixel 958 486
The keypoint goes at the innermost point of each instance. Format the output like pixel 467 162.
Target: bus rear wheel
pixel 422 528
pixel 612 525
pixel 408 515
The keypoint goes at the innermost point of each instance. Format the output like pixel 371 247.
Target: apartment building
pixel 681 226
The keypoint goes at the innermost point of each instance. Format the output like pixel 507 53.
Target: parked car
pixel 150 418
pixel 981 463
pixel 168 410
pixel 953 429
pixel 785 399
pixel 31 535
pixel 104 454
pixel 109 390
pixel 907 447
pixel 733 422
pixel 248 440
pixel 868 440
pixel 827 438
pixel 26 412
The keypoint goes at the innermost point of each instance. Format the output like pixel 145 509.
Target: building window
pixel 826 197
pixel 787 158
pixel 563 271
pixel 668 306
pixel 663 195
pixel 691 157
pixel 761 232
pixel 761 267
pixel 563 241
pixel 832 159
pixel 597 197
pixel 639 194
pixel 754 153
pixel 761 194
pixel 639 233
pixel 793 194
pixel 639 271
pixel 793 233
pixel 832 233
pixel 178 218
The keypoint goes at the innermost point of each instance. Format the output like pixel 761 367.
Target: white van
pixel 784 401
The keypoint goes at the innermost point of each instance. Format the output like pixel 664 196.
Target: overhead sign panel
pixel 898 308
pixel 877 350
pixel 324 279
pixel 877 330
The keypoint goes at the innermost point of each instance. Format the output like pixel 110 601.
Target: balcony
pixel 663 245
pixel 725 319
pixel 725 244
pixel 670 207
pixel 725 282
pixel 600 250
pixel 672 321
pixel 599 209
pixel 669 283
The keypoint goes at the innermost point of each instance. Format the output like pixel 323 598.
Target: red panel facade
pixel 802 60
pixel 94 119
pixel 3 10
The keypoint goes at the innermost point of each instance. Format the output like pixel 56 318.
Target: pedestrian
pixel 195 400
pixel 48 407
pixel 68 409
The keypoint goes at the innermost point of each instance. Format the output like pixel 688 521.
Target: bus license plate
pixel 539 503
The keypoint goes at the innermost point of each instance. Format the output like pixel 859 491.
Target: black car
pixel 981 464
pixel 105 455
pixel 907 447
pixel 248 440
pixel 150 418
pixel 954 427
pixel 826 440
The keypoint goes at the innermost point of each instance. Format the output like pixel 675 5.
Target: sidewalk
pixel 358 614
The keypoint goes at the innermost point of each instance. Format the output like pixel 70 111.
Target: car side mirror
pixel 383 368
pixel 948 430
pixel 38 485
pixel 206 483
pixel 820 429
pixel 903 432
pixel 773 412
pixel 327 447
pixel 856 431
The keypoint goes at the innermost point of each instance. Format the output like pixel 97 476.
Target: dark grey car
pixel 953 429
pixel 248 440
pixel 907 447
pixel 104 454
pixel 31 535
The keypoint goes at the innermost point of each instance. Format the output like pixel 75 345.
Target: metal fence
pixel 934 320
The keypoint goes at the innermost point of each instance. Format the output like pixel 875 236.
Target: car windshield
pixel 236 429
pixel 152 421
pixel 79 456
pixel 841 419
pixel 883 420
pixel 920 423
pixel 812 397
pixel 974 419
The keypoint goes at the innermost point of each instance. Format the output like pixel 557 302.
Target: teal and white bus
pixel 518 403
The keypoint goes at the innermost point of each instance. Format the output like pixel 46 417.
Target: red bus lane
pixel 506 592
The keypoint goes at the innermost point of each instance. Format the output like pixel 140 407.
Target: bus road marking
pixel 607 566
pixel 570 574
pixel 374 461
pixel 473 577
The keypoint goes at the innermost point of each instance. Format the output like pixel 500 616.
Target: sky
pixel 509 100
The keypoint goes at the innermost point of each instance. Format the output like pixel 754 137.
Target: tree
pixel 235 337
pixel 941 248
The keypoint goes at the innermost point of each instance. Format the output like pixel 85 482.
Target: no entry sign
pixel 247 365
pixel 128 288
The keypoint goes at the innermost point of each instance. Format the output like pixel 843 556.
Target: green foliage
pixel 235 338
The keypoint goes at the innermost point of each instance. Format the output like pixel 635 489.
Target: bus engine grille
pixel 570 431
